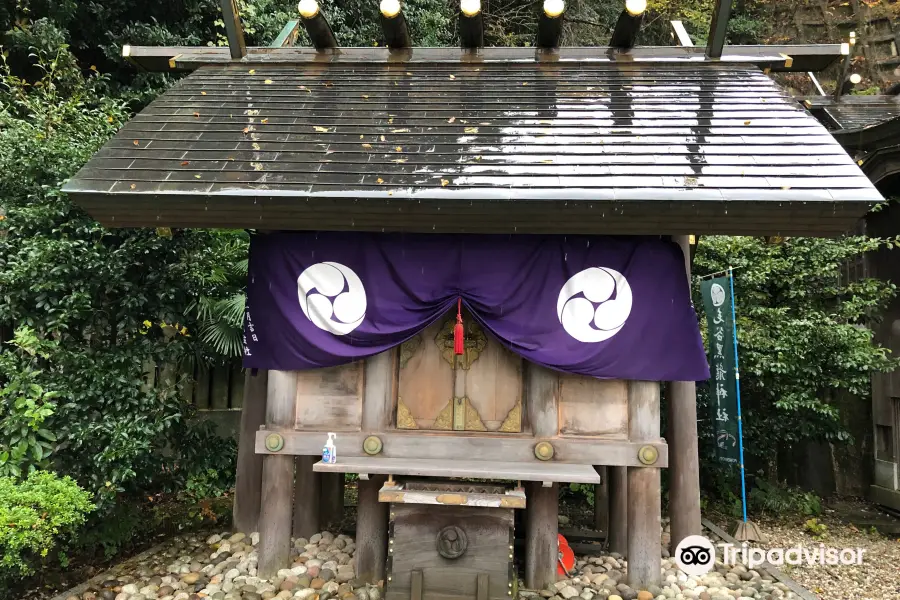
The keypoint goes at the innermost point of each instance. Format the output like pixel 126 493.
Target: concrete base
pixel 885 497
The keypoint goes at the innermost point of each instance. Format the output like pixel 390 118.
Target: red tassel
pixel 458 331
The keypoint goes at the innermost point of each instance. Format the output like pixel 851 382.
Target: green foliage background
pixel 86 311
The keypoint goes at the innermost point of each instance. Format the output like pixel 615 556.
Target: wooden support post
pixel 234 30
pixel 618 509
pixel 684 459
pixel 601 501
pixel 248 479
pixel 307 491
pixel 277 478
pixel 644 501
pixel 541 529
pixel 542 512
pixel 331 502
pixel 372 515
pixel 371 531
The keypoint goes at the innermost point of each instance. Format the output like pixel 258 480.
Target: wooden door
pixel 480 390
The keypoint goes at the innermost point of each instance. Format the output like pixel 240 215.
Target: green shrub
pixel 38 515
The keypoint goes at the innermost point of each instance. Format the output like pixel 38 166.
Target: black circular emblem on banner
pixel 452 542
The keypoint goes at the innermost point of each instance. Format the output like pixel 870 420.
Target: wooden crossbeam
pixel 681 34
pixel 233 29
pixel 811 57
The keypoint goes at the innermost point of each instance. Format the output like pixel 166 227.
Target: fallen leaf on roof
pixel 264 121
pixel 746 122
pixel 548 160
pixel 408 73
pixel 399 160
pixel 367 146
pixel 444 183
pixel 399 148
pixel 328 84
pixel 785 187
pixel 185 163
pixel 231 158
pixel 383 139
pixel 471 130
pixel 399 130
pixel 255 146
pixel 256 166
pixel 380 180
pixel 305 89
pixel 391 121
pixel 859 162
pixel 390 193
pixel 251 112
pixel 268 82
pixel 320 129
pixel 133 186
pixel 246 130
pixel 197 176
pixel 136 143
pixel 202 93
pixel 451 119
pixel 451 77
pixel 524 83
pixel 463 121
pixel 252 71
pixel 365 96
pixel 478 157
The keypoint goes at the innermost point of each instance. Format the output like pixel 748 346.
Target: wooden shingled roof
pixel 577 147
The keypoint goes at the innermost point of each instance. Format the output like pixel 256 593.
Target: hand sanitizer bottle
pixel 329 452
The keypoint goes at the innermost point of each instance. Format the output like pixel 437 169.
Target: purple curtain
pixel 607 307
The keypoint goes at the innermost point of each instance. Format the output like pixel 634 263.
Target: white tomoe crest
pixel 332 296
pixel 594 304
pixel 717 293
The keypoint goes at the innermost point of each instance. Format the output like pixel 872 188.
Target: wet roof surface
pixel 615 148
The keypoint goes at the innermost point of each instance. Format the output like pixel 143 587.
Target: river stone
pixel 190 578
pixel 317 584
pixel 615 597
pixel 251 596
pixel 107 595
pixel 326 574
pixel 130 589
pixel 345 573
pixel 568 592
pixel 120 596
pixel 644 595
pixel 304 593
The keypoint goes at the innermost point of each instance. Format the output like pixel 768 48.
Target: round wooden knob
pixel 648 455
pixel 543 451
pixel 274 442
pixel 372 445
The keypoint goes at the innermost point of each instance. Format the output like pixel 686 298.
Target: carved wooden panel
pixel 425 381
pixel 589 406
pixel 480 390
pixel 494 387
pixel 330 398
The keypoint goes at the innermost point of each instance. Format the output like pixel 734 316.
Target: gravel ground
pixel 877 578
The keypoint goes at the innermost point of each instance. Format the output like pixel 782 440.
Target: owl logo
pixel 333 297
pixel 594 304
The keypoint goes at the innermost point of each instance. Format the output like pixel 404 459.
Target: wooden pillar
pixel 331 500
pixel 248 478
pixel 542 508
pixel 601 501
pixel 541 529
pixel 644 501
pixel 307 490
pixel 371 531
pixel 681 436
pixel 618 509
pixel 372 515
pixel 277 478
